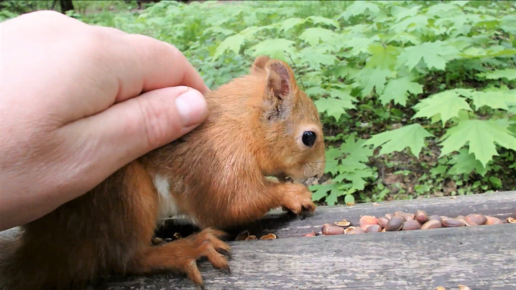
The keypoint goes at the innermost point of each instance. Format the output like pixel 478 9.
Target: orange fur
pixel 216 175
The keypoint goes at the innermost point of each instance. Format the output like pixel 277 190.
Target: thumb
pixel 129 129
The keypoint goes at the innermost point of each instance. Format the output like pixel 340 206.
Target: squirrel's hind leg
pixel 181 255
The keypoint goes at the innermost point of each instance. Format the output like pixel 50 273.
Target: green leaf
pixel 356 177
pixel 315 35
pixel 412 136
pixel 321 190
pixel 397 90
pixel 359 8
pixel 334 107
pixel 382 57
pixel 445 104
pixel 332 162
pixel 434 54
pixel 509 74
pixel 369 78
pixel 324 20
pixel 274 48
pixel 358 44
pixel 494 99
pixel 481 136
pixel 290 23
pixel 355 149
pixel 232 43
pixel 465 163
pixel 349 198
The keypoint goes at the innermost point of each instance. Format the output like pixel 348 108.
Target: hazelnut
pixel 355 231
pixel 435 218
pixel 342 223
pixel 270 236
pixel 407 216
pixel 421 216
pixel 463 287
pixel 156 241
pixel 311 234
pixel 411 225
pixel 242 236
pixel 476 218
pixel 251 237
pixel 449 223
pixel 373 229
pixel 394 224
pixel 431 224
pixel 493 221
pixel 330 230
pixel 383 221
pixel 511 220
pixel 389 215
pixel 366 221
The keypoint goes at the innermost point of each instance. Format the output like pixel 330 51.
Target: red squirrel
pixel 259 125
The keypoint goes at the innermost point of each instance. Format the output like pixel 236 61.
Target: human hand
pixel 78 102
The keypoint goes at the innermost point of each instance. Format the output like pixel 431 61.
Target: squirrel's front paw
pixel 298 198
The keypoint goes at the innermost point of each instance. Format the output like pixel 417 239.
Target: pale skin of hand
pixel 78 102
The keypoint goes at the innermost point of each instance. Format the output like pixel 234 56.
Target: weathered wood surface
pixel 500 204
pixel 481 257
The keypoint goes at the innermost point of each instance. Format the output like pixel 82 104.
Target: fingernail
pixel 192 107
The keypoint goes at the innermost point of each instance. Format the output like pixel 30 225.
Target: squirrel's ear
pixel 279 79
pixel 259 63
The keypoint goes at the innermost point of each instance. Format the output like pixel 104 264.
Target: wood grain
pixel 481 257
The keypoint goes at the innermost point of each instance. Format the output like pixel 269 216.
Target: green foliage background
pixel 417 97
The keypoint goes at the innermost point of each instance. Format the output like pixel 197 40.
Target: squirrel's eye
pixel 309 138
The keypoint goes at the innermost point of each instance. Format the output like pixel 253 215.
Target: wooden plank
pixel 500 204
pixel 481 257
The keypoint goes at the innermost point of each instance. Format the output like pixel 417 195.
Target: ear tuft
pixel 259 63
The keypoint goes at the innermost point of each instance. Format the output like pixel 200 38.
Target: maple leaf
pixel 412 136
pixel 324 20
pixel 397 90
pixel 369 78
pixel 355 149
pixel 509 74
pixel 359 8
pixel 413 23
pixel 332 163
pixel 382 57
pixel 356 177
pixel 496 99
pixel 321 190
pixel 445 104
pixel 232 43
pixel 481 136
pixel 315 57
pixel 274 48
pixel 315 35
pixel 434 54
pixel 358 44
pixel 465 163
pixel 290 23
pixel 402 12
pixel 335 106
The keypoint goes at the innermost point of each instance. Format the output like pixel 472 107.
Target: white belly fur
pixel 167 205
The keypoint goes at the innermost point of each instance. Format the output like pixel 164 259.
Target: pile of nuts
pixel 246 236
pixel 403 221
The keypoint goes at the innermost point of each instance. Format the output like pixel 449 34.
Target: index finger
pixel 153 64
